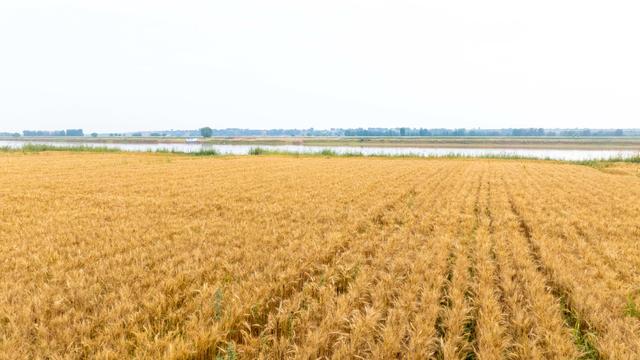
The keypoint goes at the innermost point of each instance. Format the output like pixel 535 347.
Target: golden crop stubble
pixel 548 333
pixel 163 256
pixel 493 337
pixel 352 252
pixel 336 279
pixel 232 244
pixel 600 293
pixel 400 287
pixel 427 329
pixel 374 245
pixel 249 336
pixel 348 326
pixel 411 323
pixel 591 222
pixel 456 325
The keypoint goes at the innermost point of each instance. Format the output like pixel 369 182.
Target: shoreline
pixel 630 143
pixel 327 153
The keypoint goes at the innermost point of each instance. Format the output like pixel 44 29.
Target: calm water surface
pixel 558 154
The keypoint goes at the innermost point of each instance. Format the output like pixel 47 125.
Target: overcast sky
pixel 137 65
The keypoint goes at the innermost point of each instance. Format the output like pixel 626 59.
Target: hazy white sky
pixel 138 64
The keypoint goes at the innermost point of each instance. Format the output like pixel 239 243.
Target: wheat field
pixel 115 256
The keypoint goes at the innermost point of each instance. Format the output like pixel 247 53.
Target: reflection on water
pixel 558 154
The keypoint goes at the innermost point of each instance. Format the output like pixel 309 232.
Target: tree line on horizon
pixel 343 132
pixel 417 132
pixel 67 132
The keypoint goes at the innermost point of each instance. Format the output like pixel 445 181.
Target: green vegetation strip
pixel 35 148
pixel 632 308
pixel 256 151
pixel 44 147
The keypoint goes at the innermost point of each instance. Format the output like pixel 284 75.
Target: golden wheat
pixel 164 256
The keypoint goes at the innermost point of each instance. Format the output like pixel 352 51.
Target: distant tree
pixel 403 131
pixel 94 134
pixel 459 132
pixel 44 133
pixel 618 132
pixel 206 132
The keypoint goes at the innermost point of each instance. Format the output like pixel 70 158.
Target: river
pixel 557 154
